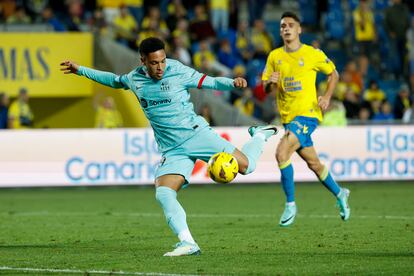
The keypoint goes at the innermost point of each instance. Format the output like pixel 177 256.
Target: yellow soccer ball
pixel 222 167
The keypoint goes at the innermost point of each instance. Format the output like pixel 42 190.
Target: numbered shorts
pixel 181 160
pixel 303 127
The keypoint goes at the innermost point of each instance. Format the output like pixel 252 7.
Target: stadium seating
pixel 338 56
pixel 353 4
pixel 24 28
pixel 254 68
pixel 391 88
pixel 334 5
pixel 335 25
pixel 379 5
pixel 308 12
pixel 308 37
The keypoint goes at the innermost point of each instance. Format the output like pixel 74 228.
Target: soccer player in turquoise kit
pixel 161 86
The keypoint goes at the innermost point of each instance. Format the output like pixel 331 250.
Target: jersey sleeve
pixel 102 77
pixel 323 63
pixel 125 80
pixel 270 67
pixel 189 76
pixel 194 79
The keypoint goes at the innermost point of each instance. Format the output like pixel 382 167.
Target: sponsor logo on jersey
pixel 143 102
pixel 146 103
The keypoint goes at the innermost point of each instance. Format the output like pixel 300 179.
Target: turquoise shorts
pixel 181 160
pixel 303 127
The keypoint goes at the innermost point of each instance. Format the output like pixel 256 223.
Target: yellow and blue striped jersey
pixel 296 94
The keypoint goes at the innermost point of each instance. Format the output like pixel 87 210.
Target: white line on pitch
pixel 79 271
pixel 137 214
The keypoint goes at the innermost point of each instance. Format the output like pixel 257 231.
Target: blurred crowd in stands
pixel 370 41
pixel 18 114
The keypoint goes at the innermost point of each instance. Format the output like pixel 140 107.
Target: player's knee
pixel 281 157
pixel 244 163
pixel 159 195
pixel 162 194
pixel 315 166
pixel 243 170
pixel 247 167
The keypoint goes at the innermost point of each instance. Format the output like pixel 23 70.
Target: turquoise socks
pixel 173 211
pixel 253 149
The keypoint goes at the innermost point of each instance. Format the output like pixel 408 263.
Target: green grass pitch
pixel 78 230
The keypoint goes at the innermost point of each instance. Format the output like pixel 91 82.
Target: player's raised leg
pixel 254 147
pixel 311 158
pixel 166 194
pixel 287 146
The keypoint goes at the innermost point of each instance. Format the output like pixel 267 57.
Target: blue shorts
pixel 181 160
pixel 303 127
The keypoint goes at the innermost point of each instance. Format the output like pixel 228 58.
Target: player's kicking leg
pixel 252 150
pixel 311 158
pixel 264 131
pixel 166 195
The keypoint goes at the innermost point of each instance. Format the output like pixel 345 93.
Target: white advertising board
pixel 130 157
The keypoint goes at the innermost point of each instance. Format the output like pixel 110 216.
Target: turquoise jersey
pixel 166 102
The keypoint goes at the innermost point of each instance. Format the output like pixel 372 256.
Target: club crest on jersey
pixel 301 62
pixel 165 86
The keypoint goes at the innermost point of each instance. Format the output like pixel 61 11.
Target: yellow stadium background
pixel 31 60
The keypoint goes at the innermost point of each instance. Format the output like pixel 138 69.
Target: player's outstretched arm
pixel 195 79
pixel 69 67
pixel 221 83
pixel 105 78
pixel 240 82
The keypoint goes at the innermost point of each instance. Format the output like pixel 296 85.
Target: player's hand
pixel 69 67
pixel 274 77
pixel 323 102
pixel 240 83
